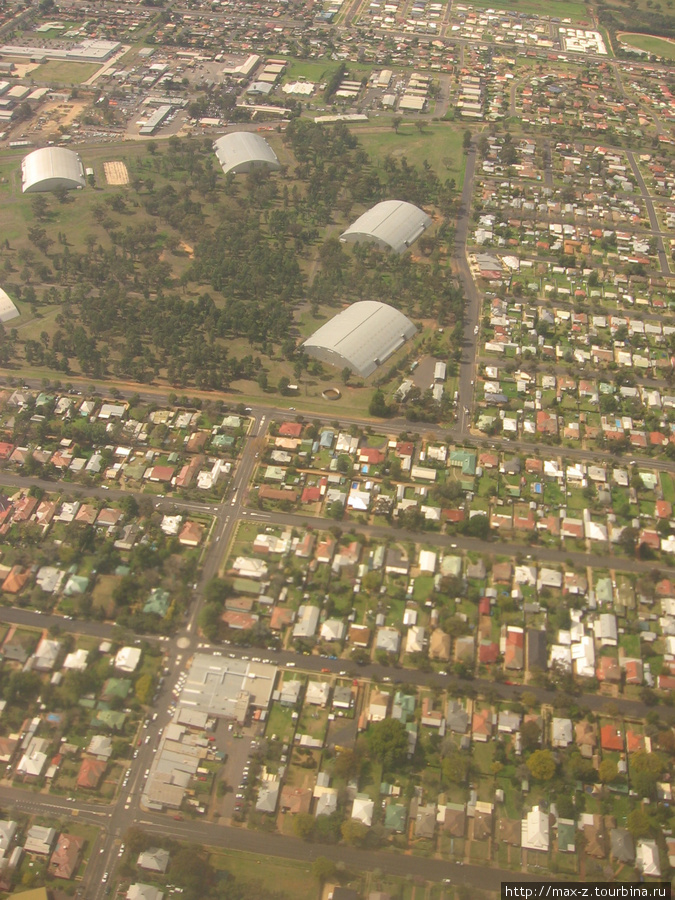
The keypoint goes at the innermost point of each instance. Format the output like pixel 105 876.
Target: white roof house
pixel 427 561
pixel 127 659
pixel 388 639
pixel 361 337
pixel 50 168
pixel 8 310
pixel 40 839
pixel 415 639
pixel 647 858
pixel 7 831
pixel 242 151
pixel 362 809
pixel 333 630
pixel 561 732
pixel 307 622
pixel 535 830
pixel 140 891
pixel 391 225
pixel 76 660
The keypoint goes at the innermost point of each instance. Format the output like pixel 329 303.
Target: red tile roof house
pixel 481 725
pixel 634 741
pixel 290 429
pixel 191 534
pixel 633 670
pixel 611 738
pixel 514 653
pixel 160 473
pixel 66 856
pixel 311 494
pixel 371 455
pixel 608 670
pixel 664 509
pixel 90 774
pixel 488 652
pixel 651 538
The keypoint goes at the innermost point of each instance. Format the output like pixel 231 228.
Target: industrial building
pixel 361 337
pixel 391 225
pixel 155 120
pixel 50 168
pixel 90 51
pixel 242 151
pixel 8 310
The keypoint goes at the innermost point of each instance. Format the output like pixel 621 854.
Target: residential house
pixel 65 859
pixel 535 830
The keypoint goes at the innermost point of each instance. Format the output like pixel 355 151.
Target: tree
pixel 628 540
pixel 303 826
pixel 378 406
pixel 388 742
pixel 354 832
pixel 541 765
pixel 324 869
pixel 530 734
pixel 347 764
pixel 456 766
pixel 144 689
pixel 638 823
pixel 284 384
pixel 608 771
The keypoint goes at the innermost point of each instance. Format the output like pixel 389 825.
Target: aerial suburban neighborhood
pixel 337 447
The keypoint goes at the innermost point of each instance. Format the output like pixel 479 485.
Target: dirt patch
pixel 116 172
pixel 186 248
pixel 22 69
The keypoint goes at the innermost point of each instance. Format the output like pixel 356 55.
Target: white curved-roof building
pixel 242 151
pixel 8 310
pixel 51 168
pixel 391 225
pixel 361 337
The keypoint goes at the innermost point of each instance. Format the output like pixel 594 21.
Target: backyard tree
pixel 541 765
pixel 388 742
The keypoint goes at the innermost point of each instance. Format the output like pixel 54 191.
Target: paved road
pixel 653 221
pixel 538 553
pixel 472 306
pixel 457 433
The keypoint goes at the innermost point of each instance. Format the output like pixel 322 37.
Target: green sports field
pixel 650 44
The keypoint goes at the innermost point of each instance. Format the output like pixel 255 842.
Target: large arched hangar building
pixel 361 337
pixel 8 310
pixel 391 225
pixel 50 168
pixel 242 151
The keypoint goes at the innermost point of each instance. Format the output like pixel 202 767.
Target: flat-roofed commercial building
pixel 227 688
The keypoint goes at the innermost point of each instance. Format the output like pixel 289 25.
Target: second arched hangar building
pixel 242 151
pixel 361 337
pixel 390 225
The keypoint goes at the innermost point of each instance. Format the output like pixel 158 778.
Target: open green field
pixel 294 878
pixel 561 9
pixel 439 145
pixel 650 44
pixel 317 72
pixel 64 72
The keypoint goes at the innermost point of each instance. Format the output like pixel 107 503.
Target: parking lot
pixel 238 750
